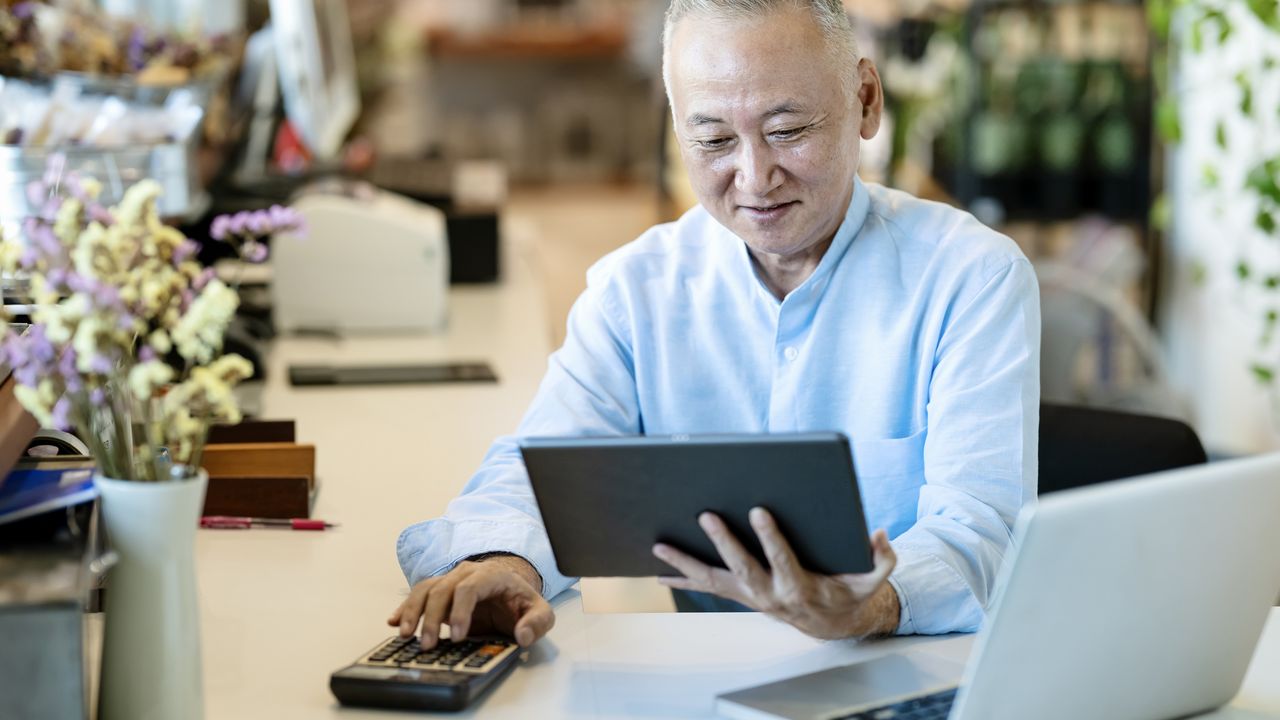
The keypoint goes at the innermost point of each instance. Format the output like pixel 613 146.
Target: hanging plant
pixel 1197 28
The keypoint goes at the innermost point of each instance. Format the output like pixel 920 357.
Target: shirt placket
pixel 788 359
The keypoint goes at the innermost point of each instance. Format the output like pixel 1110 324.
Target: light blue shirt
pixel 917 336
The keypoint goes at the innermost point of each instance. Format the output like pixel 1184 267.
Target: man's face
pixel 766 126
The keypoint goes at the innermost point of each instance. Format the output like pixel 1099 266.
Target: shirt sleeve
pixel 589 389
pixel 980 455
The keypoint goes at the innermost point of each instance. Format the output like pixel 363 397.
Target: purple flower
pixel 67 369
pixel 24 10
pixel 98 397
pixel 254 252
pixel 100 214
pixel 147 353
pixel 37 193
pixel 203 278
pixel 259 223
pixel 61 413
pixel 100 364
pixel 57 276
pixel 239 223
pixel 39 347
pixel 285 219
pixel 220 228
pixel 185 251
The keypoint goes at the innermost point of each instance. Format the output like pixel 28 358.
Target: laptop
pixel 1138 599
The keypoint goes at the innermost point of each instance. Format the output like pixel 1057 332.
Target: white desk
pixel 281 610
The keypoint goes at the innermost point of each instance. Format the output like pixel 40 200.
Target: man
pixel 795 298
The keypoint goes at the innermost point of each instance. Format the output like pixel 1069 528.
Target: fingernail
pixel 660 550
pixel 455 632
pixel 757 515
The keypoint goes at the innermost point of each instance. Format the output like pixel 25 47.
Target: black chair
pixel 1081 446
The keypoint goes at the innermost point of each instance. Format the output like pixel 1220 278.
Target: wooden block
pixel 270 497
pixel 253 431
pixel 17 427
pixel 260 460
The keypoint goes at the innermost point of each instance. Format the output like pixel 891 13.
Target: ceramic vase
pixel 151 648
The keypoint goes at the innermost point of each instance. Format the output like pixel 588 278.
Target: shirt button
pixel 791 353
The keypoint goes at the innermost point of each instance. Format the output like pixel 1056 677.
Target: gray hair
pixel 829 15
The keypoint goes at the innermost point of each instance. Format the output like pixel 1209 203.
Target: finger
pixel 885 558
pixel 479 586
pixel 680 583
pixel 438 603
pixel 782 560
pixel 411 609
pixel 687 566
pixel 535 622
pixel 735 556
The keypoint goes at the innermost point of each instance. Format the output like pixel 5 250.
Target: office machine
pixel 399 674
pixel 1139 598
pixel 370 261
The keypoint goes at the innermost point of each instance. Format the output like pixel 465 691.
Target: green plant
pixel 1190 28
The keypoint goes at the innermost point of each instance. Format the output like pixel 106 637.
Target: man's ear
pixel 870 98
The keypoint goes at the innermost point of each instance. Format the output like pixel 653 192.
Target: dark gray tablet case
pixel 606 501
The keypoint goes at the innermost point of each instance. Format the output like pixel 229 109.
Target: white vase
pixel 151 650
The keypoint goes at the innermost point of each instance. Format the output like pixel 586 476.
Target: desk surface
pixel 281 610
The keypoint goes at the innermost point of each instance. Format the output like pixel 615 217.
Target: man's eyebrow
pixel 698 119
pixel 786 108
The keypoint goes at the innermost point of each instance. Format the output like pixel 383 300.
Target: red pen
pixel 227 522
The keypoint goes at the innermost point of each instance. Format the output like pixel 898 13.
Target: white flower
pixel 198 334
pixel 146 378
pixel 159 341
pixel 137 207
pixel 38 401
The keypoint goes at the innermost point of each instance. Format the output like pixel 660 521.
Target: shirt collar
pixel 854 218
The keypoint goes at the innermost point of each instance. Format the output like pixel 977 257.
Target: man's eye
pixel 712 143
pixel 786 134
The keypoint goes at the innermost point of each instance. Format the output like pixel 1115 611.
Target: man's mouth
pixel 768 212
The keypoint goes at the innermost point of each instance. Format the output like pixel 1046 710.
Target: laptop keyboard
pixel 926 707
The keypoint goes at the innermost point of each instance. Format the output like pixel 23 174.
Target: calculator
pixel 399 674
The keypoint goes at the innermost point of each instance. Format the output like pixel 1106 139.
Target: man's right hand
pixel 499 594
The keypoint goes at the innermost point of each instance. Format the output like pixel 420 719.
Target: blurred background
pixel 1129 148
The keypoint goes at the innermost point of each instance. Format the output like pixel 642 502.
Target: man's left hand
pixel 823 606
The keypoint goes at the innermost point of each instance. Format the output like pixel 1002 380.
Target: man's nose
pixel 757 173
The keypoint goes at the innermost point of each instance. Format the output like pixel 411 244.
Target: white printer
pixel 369 261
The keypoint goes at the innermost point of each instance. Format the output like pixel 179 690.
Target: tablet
pixel 605 501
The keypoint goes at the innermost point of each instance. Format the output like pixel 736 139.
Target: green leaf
pixel 1262 179
pixel 1266 222
pixel 1246 93
pixel 1264 374
pixel 1269 63
pixel 1268 11
pixel 1160 16
pixel 1199 273
pixel 1209 177
pixel 1220 134
pixel 1161 212
pixel 1271 283
pixel 1197 36
pixel 1168 121
pixel 1242 270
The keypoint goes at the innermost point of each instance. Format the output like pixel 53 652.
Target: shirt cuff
pixel 933 597
pixel 435 547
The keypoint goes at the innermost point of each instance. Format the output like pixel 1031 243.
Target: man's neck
pixel 783 273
